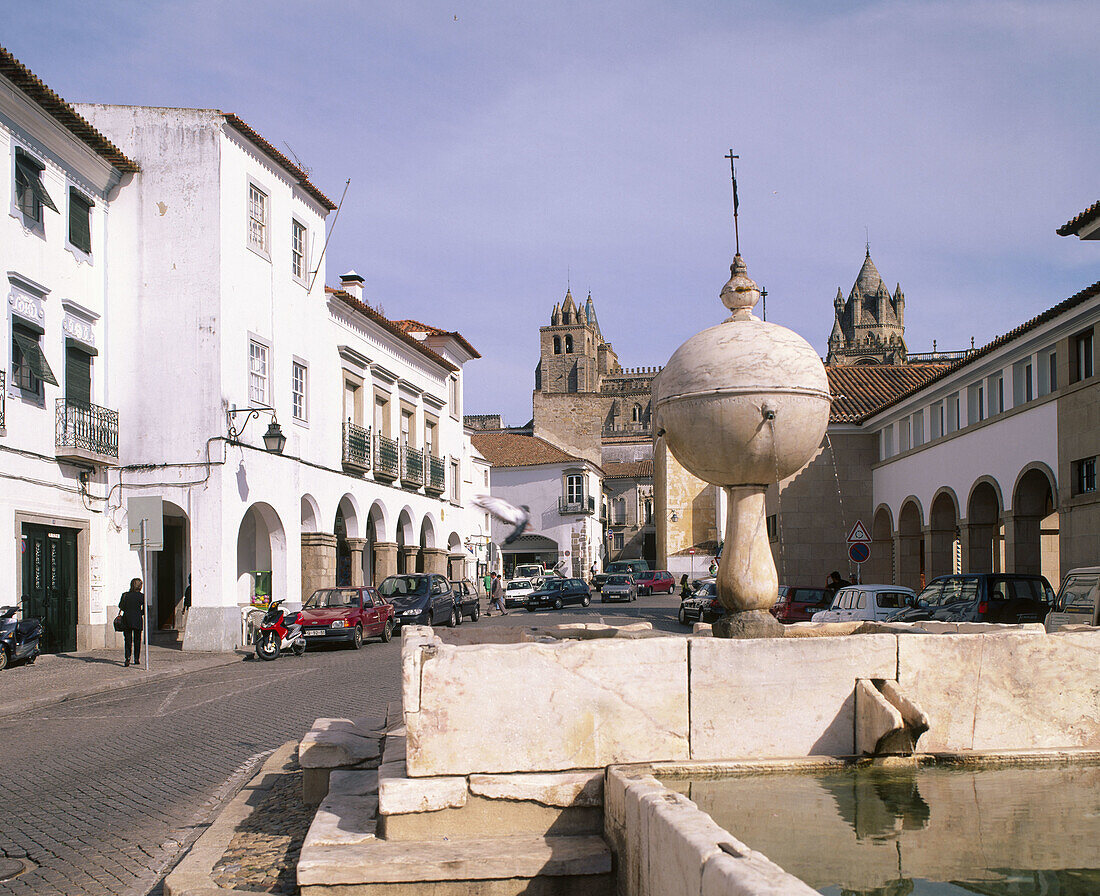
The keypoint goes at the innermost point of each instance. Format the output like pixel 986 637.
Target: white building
pixel 223 329
pixel 59 426
pixel 562 493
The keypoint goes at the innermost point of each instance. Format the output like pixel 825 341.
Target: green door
pixel 49 584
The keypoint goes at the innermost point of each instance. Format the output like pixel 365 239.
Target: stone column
pixel 964 545
pixel 385 560
pixel 435 560
pixel 355 546
pixel 318 561
pixel 456 567
pixel 408 554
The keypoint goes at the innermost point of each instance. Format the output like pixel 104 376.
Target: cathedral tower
pixel 868 328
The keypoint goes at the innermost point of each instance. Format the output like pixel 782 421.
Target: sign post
pixel 859 547
pixel 145 523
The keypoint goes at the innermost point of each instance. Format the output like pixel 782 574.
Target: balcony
pixel 86 433
pixel 355 454
pixel 386 457
pixel 581 504
pixel 436 475
pixel 412 467
pixel 3 395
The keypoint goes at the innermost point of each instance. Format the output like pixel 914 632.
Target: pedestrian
pixel 186 602
pixel 713 571
pixel 685 590
pixel 131 608
pixel 832 585
pixel 592 571
pixel 496 596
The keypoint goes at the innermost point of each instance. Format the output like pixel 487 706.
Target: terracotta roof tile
pixel 284 162
pixel 64 114
pixel 509 449
pixel 415 326
pixel 860 390
pixel 632 469
pixel 1076 223
pixel 389 325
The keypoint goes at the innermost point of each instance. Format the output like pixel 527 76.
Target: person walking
pixel 131 608
pixel 496 596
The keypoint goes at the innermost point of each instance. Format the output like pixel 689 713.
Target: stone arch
pixel 636 413
pixel 568 344
pixel 880 568
pixel 1033 523
pixel 943 532
pixel 378 520
pixel 345 526
pixel 429 532
pixel 261 549
pixel 430 558
pixel 984 529
pixel 168 577
pixel 456 557
pixel 311 514
pixel 910 544
pixel 557 345
pixel 407 546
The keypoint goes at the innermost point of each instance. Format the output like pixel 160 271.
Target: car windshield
pixel 517 584
pixel 706 589
pixel 619 567
pixel 401 586
pixel 332 597
pixel 618 580
pixel 553 584
pixel 891 600
pixel 949 591
pixel 527 571
pixel 1076 593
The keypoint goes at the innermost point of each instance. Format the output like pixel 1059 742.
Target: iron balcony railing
pixel 386 457
pixel 580 504
pixel 86 429
pixel 412 470
pixel 3 393
pixel 356 446
pixel 437 479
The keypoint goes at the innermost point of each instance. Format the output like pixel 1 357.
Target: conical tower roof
pixel 568 308
pixel 869 281
pixel 590 316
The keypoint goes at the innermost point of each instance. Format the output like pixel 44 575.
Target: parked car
pixel 984 597
pixel 798 604
pixel 1078 600
pixel 420 599
pixel 346 615
pixel 558 592
pixel 467 600
pixel 630 567
pixel 870 603
pixel 619 587
pixel 516 592
pixel 655 581
pixel 535 572
pixel 701 605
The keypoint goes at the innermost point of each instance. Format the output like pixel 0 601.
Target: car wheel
pixel 557 604
pixel 530 609
pixel 299 648
pixel 357 638
pixel 453 621
pixel 476 615
pixel 458 612
pixel 3 658
pixel 683 617
pixel 587 600
pixel 387 631
pixel 603 600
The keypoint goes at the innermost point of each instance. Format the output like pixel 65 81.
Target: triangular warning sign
pixel 858 533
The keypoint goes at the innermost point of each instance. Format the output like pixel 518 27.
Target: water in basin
pixel 938 830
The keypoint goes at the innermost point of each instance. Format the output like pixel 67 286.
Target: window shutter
pixel 31 174
pixel 78 377
pixel 80 222
pixel 33 357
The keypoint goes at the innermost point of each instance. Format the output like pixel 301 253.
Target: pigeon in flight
pixel 507 513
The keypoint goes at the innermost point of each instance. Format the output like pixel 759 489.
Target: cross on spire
pixel 733 177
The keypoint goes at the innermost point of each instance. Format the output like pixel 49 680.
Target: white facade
pixel 57 432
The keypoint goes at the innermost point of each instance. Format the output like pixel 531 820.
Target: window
pixel 1084 477
pixel 648 510
pixel 918 429
pixel 568 344
pixel 453 396
pixel 406 427
pixel 78 377
pixel 772 522
pixel 257 372
pixel 80 221
pixel 1029 387
pixel 954 413
pixel 298 384
pixel 574 488
pixel 617 541
pixel 1048 372
pixel 997 394
pixel 903 435
pixel 557 345
pixel 29 368
pixel 1082 349
pixel 257 219
pixel 429 436
pixel 454 483
pixel 30 193
pixel 975 403
pixel 298 250
pixel 381 415
pixel 888 441
pixel 619 512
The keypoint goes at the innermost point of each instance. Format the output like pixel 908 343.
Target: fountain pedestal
pixel 747 581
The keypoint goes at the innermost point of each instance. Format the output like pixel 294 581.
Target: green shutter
pixel 33 357
pixel 29 175
pixel 80 221
pixel 78 377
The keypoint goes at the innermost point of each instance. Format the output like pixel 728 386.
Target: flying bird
pixel 519 517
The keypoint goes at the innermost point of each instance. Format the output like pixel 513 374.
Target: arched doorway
pixel 983 525
pixel 431 557
pixel 261 556
pixel 910 552
pixel 880 568
pixel 1035 525
pixel 943 524
pixel 171 568
pixel 407 548
pixel 345 527
pixel 378 555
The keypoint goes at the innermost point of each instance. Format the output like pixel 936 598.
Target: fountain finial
pixel 740 294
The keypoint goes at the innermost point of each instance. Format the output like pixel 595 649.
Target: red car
pixel 654 581
pixel 346 615
pixel 798 604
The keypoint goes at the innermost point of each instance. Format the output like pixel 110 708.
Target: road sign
pixel 150 510
pixel 858 533
pixel 859 551
pixel 691 550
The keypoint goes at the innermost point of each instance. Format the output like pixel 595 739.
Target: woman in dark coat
pixel 131 607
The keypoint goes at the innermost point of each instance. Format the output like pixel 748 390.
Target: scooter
pixel 18 637
pixel 277 632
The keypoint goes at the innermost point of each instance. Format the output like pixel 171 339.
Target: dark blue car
pixel 558 592
pixel 420 599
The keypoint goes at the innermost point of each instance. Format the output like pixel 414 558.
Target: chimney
pixel 352 284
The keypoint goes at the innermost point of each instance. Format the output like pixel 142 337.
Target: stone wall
pixel 694 502
pixel 573 422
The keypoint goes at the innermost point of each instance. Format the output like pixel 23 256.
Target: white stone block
pixel 749 874
pixel 343 820
pixel 415 639
pixel 875 717
pixel 399 794
pixel 560 789
pixel 681 840
pixel 333 743
pixel 781 697
pixel 500 708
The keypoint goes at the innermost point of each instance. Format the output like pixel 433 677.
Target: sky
pixel 500 152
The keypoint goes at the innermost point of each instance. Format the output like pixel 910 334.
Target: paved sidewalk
pixel 54 678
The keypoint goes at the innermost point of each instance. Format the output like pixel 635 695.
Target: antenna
pixel 335 218
pixel 296 159
pixel 733 177
pixel 867 234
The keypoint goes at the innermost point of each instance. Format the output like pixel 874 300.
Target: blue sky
pixel 496 149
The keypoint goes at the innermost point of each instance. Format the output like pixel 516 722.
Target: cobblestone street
pixel 105 792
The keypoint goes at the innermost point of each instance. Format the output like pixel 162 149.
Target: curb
pixel 117 685
pixel 192 875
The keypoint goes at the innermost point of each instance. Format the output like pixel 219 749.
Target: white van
pixel 1078 600
pixel 869 603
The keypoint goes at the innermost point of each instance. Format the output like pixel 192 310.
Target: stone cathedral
pixel 869 327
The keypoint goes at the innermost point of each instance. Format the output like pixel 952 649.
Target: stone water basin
pixel 935 828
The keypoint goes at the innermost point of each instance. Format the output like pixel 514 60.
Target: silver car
pixel 1078 601
pixel 619 587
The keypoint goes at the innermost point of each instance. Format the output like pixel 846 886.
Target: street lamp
pixel 274 440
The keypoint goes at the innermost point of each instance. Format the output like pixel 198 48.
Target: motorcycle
pixel 278 632
pixel 18 637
